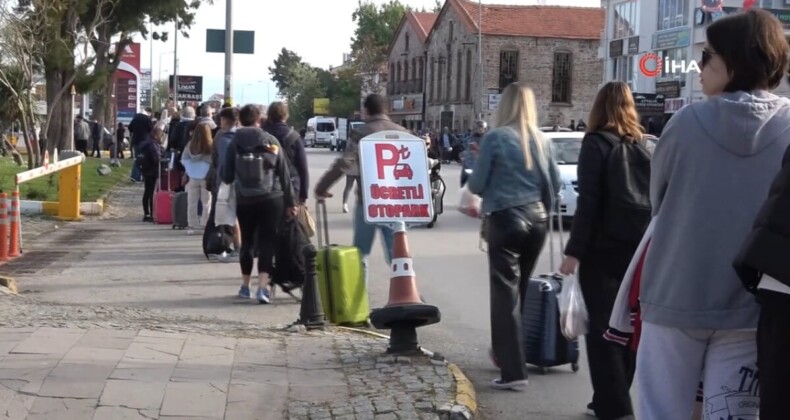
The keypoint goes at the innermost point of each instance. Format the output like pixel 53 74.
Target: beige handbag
pixel 306 220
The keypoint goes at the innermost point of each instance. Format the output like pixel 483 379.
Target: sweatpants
pixel 773 355
pixel 671 361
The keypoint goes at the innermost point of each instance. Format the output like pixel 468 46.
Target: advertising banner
pixel 190 88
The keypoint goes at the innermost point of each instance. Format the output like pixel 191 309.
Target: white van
pixel 321 132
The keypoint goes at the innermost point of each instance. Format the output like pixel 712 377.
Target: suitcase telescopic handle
pixel 552 249
pixel 323 223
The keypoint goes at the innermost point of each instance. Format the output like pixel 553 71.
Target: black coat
pixel 767 248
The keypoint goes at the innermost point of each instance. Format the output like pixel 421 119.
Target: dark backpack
pixel 256 170
pixel 627 209
pixel 288 142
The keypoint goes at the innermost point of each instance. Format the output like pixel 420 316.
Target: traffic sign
pixel 396 186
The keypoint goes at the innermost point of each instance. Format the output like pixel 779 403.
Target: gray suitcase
pixel 180 210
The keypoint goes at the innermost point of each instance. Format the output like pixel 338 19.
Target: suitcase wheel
pixel 544 370
pixel 575 367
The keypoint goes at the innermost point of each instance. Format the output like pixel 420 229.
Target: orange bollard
pixel 15 219
pixel 3 227
pixel 405 311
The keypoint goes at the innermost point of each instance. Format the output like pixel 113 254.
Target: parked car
pixel 566 145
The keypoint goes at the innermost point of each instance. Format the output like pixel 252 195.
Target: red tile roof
pixel 424 23
pixel 535 21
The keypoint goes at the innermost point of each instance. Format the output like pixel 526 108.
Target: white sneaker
pixel 345 208
pixel 190 232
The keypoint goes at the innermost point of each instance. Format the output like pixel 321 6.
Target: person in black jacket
pixel 256 165
pixel 602 260
pixel 149 156
pixel 277 115
pixel 764 268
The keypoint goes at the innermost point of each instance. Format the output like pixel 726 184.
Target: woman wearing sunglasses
pixel 711 171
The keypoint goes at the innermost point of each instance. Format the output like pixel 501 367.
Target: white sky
pixel 318 30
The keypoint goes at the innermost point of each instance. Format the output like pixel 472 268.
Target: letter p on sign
pixel 382 161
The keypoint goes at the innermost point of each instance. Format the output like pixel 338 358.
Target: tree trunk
pixel 11 149
pixel 52 124
pixel 66 117
pixel 34 143
pixel 26 135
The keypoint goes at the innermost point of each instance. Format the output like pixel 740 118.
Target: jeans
pixel 515 239
pixel 670 362
pixel 364 234
pixel 197 194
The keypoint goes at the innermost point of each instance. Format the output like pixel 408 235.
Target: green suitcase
pixel 341 279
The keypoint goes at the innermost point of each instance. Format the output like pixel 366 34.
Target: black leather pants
pixel 515 240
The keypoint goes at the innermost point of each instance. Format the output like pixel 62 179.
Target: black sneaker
pixel 148 218
pixel 591 410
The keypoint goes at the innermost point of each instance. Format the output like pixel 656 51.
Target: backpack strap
pixel 611 138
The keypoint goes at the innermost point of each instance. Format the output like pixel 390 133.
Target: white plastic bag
pixel 573 312
pixel 225 211
pixel 470 203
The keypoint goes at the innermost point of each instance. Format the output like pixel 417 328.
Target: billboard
pixel 321 106
pixel 127 83
pixel 145 88
pixel 190 88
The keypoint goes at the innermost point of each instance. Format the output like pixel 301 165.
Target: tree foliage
pixel 283 65
pixel 375 24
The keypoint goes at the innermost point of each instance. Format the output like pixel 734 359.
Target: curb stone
pixel 464 406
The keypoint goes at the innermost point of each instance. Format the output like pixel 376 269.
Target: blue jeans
pixel 136 175
pixel 364 234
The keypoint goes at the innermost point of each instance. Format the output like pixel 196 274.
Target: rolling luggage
pixel 216 239
pixel 544 344
pixel 180 210
pixel 163 201
pixel 341 279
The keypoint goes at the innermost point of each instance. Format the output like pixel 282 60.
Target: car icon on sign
pixel 402 170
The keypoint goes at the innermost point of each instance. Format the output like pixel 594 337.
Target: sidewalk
pixel 69 373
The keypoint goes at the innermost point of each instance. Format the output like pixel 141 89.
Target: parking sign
pixel 394 178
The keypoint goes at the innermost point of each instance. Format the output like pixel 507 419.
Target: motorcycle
pixel 438 189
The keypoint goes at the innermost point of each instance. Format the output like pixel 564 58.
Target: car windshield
pixel 566 150
pixel 325 127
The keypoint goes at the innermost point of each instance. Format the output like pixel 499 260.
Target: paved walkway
pixel 99 373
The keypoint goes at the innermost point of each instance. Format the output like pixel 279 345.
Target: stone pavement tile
pixel 192 399
pixel 261 374
pixel 210 341
pixel 163 352
pixel 162 334
pixel 198 353
pixel 133 394
pixel 49 341
pixel 250 400
pixel 91 355
pixel 122 413
pixel 62 409
pixel 204 364
pixel 14 405
pixel 26 372
pixel 312 353
pixel 144 370
pixel 107 339
pixel 76 380
pixel 257 351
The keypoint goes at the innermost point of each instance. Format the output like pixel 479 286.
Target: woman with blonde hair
pixel 517 178
pixel 197 162
pixel 605 235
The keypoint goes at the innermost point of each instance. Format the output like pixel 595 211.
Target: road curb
pixel 465 404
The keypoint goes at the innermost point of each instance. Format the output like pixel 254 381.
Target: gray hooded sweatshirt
pixel 710 174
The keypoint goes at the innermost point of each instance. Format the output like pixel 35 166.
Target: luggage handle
pixel 323 223
pixel 551 234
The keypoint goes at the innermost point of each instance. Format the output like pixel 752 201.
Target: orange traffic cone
pixel 3 227
pixel 405 311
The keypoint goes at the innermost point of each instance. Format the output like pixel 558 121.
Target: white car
pixel 566 147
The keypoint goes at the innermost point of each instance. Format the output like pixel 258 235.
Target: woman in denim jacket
pixel 518 179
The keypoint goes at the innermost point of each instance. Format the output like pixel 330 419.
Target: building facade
pixel 406 69
pixel 553 49
pixel 641 32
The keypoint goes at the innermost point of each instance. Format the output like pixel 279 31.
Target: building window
pixel 561 80
pixel 448 93
pixel 406 80
pixel 414 72
pixel 623 69
pixel 391 84
pixel 468 75
pixel 459 72
pixel 440 80
pixel 407 41
pixel 675 55
pixel 626 19
pixel 672 14
pixel 420 74
pixel 508 68
pixel 398 83
pixel 450 35
pixel 431 78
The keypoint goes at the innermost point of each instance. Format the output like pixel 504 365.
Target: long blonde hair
pixel 517 109
pixel 614 110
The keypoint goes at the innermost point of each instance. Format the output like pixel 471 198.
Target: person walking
pixel 147 159
pixel 764 269
pixel 96 137
pixel 350 181
pixel 348 164
pixel 120 136
pixel 471 146
pixel 197 162
pixel 257 167
pixel 229 122
pixel 518 180
pixel 711 170
pixel 82 132
pixel 605 236
pixel 277 116
pixel 140 129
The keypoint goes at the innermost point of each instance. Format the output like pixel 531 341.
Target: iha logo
pixel 651 65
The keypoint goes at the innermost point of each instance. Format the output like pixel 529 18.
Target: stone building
pixel 554 49
pixel 406 65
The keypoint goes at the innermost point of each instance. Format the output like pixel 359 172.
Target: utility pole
pixel 228 51
pixel 480 55
pixel 175 67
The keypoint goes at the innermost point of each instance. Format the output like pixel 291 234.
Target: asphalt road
pixel 452 273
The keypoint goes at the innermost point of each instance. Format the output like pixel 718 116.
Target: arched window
pixel 452 31
pixel 391 81
pixel 420 76
pixel 398 79
pixel 407 41
pixel 469 75
pixel 406 81
pixel 459 71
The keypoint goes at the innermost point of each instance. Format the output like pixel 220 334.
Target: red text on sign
pixel 378 192
pixel 398 210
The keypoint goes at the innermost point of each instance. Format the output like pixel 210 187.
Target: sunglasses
pixel 706 56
